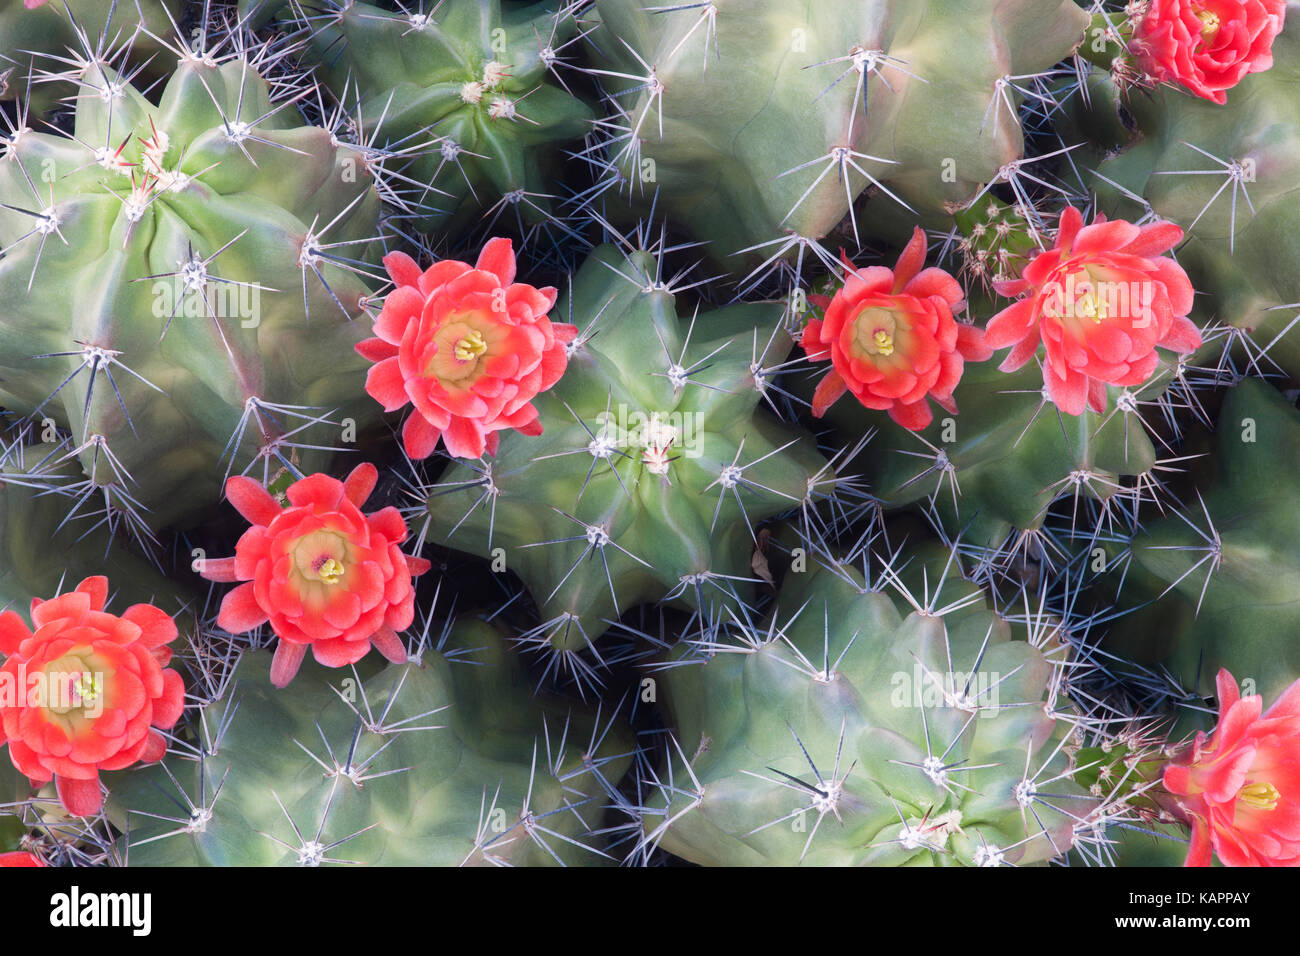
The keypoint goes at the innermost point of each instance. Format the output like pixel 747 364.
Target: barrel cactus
pixel 762 121
pixel 448 759
pixel 473 93
pixel 214 248
pixel 657 461
pixel 841 731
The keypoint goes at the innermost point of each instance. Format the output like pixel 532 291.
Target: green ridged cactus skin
pixel 443 759
pixel 28 38
pixel 736 718
pixel 1250 550
pixel 13 788
pixel 244 196
pixel 1004 458
pixel 751 95
pixel 678 522
pixel 1136 847
pixel 43 552
pixel 415 87
pixel 1240 252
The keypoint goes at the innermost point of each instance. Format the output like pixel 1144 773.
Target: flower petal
pixel 829 390
pixel 81 798
pixel 419 438
pixel 402 269
pixel 240 611
pixel 498 258
pixel 916 416
pixel 360 483
pixel 286 662
pixel 252 500
pixel 386 642
pixel 157 627
pixel 1070 394
pixel 1011 325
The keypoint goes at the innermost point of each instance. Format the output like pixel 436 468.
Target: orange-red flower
pixel 469 347
pixel 21 858
pixel 325 575
pixel 892 340
pixel 1207 46
pixel 1101 301
pixel 1240 788
pixel 86 691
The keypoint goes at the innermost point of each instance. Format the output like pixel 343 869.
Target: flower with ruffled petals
pixel 1207 46
pixel 892 340
pixel 1101 301
pixel 1240 788
pixel 466 345
pixel 86 691
pixel 322 573
pixel 21 858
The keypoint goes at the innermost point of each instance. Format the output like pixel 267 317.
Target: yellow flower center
pixel 471 346
pixel 1091 306
pixel 875 328
pixel 330 571
pixel 1261 796
pixel 1209 23
pixel 87 688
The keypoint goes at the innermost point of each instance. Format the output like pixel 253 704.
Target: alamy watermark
pixel 176 298
pixel 55 690
pixel 1083 298
pixel 970 691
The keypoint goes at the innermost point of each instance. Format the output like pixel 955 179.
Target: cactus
pixel 655 464
pixel 469 91
pixel 842 731
pixel 36 42
pixel 44 552
pixel 992 468
pixel 213 249
pixel 753 121
pixel 1226 570
pixel 729 589
pixel 1226 174
pixel 447 759
pixel 993 472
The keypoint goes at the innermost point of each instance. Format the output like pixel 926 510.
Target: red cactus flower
pixel 1240 789
pixel 86 691
pixel 892 340
pixel 1101 301
pixel 324 574
pixel 1207 46
pixel 469 347
pixel 21 858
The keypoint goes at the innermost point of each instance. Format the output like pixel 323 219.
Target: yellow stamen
pixel 1261 796
pixel 1209 23
pixel 1092 306
pixel 471 346
pixel 86 688
pixel 884 342
pixel 330 570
